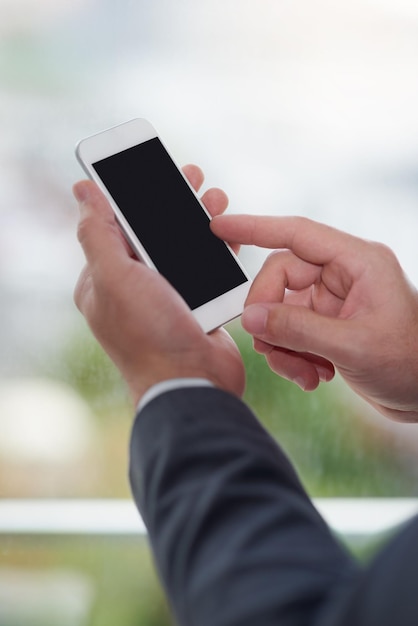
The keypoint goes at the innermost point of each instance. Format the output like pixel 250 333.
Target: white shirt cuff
pixel 170 385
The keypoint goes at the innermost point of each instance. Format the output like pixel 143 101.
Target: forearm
pixel 235 537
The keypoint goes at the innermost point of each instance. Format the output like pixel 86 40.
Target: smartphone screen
pixel 169 222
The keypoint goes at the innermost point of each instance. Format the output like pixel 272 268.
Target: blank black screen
pixel 169 221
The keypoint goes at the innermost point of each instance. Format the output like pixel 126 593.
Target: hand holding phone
pixel 164 221
pixel 142 323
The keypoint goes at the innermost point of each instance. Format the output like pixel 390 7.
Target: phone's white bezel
pixel 210 315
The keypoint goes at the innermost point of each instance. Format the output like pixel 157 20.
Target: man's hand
pixel 324 299
pixel 139 319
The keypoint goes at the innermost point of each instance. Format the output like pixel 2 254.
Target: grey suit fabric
pixel 236 539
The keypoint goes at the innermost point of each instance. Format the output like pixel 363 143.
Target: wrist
pixel 216 359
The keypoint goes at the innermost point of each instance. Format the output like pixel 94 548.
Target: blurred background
pixel 306 107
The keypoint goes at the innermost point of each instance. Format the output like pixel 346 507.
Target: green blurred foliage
pixel 126 589
pixel 82 363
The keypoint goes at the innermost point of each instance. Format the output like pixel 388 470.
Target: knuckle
pixel 278 259
pixel 273 256
pixel 384 252
pixel 81 288
pixel 384 257
pixel 77 295
pixel 83 229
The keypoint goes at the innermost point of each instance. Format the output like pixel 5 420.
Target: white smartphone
pixel 164 221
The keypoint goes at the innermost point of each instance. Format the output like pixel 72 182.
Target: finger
pixel 282 270
pixel 302 330
pixel 98 232
pixel 285 362
pixel 216 201
pixel 194 175
pixel 298 368
pixel 311 241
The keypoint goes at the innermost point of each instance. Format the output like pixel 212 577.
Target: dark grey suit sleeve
pixel 236 540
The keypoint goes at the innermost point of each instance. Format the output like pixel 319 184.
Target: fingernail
pixel 254 319
pixel 325 374
pixel 81 192
pixel 300 382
